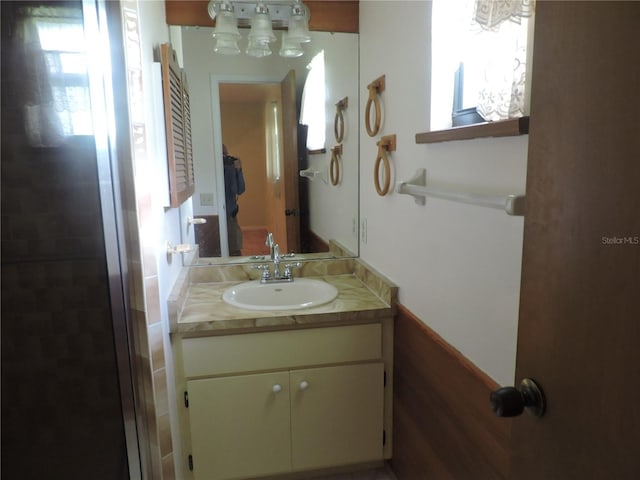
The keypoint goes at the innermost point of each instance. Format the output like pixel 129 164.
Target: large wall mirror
pixel 253 107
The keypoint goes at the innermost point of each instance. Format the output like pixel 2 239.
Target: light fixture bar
pixel 279 10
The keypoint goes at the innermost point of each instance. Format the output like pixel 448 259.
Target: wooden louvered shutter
pixel 188 144
pixel 177 111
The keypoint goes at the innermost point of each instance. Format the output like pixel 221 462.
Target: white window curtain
pixel 52 56
pixel 504 28
pixel 491 13
pixel 272 137
pixel 312 111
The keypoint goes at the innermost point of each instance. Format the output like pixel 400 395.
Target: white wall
pixel 457 266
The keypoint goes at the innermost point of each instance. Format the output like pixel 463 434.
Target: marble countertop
pixel 205 312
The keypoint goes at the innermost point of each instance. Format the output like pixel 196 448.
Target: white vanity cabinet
pixel 268 403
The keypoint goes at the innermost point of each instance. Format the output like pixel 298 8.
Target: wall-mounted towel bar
pixel 417 187
pixel 179 248
pixel 312 174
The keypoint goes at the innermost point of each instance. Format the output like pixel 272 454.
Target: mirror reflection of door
pixel 290 162
pixel 259 126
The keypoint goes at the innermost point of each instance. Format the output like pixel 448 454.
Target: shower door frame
pixel 98 15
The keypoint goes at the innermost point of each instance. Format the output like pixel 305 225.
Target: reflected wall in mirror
pixel 235 100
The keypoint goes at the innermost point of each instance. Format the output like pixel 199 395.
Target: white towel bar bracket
pixel 417 187
pixel 312 174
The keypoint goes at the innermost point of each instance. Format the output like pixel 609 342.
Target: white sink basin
pixel 301 293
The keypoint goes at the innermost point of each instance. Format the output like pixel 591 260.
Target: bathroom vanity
pixel 268 393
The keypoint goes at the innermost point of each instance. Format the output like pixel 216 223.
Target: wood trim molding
pixel 505 128
pixel 316 243
pixel 443 423
pixel 326 16
pixel 207 236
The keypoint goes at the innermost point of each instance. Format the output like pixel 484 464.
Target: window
pixel 55 99
pixel 479 60
pixel 273 143
pixel 63 45
pixel 313 104
pixel 465 105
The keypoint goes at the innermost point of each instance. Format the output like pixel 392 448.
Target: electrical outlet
pixel 206 199
pixel 363 230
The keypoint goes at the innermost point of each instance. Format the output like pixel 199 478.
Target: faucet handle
pixel 265 270
pixel 287 269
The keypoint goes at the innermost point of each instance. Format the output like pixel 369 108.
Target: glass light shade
pixel 226 24
pixel 288 48
pixel 261 30
pixel 299 25
pixel 226 44
pixel 257 48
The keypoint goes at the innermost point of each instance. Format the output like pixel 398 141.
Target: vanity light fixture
pixel 226 32
pixel 289 48
pixel 291 16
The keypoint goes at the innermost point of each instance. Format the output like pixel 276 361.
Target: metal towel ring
pixel 386 144
pixel 375 88
pixel 334 165
pixel 338 122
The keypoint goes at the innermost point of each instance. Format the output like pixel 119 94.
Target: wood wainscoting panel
pixel 316 243
pixel 207 236
pixel 444 427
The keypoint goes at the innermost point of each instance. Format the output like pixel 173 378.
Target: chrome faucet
pixel 269 243
pixel 276 258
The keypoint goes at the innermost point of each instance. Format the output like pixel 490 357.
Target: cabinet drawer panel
pixel 287 349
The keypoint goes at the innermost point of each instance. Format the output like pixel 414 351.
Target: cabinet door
pixel 336 415
pixel 240 426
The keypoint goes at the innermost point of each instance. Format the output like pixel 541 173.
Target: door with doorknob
pixel 579 325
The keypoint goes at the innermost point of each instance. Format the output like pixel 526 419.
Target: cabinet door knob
pixel 277 388
pixel 304 385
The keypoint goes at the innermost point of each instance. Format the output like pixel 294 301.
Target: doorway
pixel 248 114
pixel 258 124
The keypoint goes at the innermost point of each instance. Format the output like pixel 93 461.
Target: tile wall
pixel 144 294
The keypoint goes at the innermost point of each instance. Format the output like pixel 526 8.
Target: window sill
pixel 505 128
pixel 316 152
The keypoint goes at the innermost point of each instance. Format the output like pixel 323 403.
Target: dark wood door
pixel 579 327
pixel 290 163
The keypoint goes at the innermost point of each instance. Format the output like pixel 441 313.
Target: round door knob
pixel 277 388
pixel 511 401
pixel 304 385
